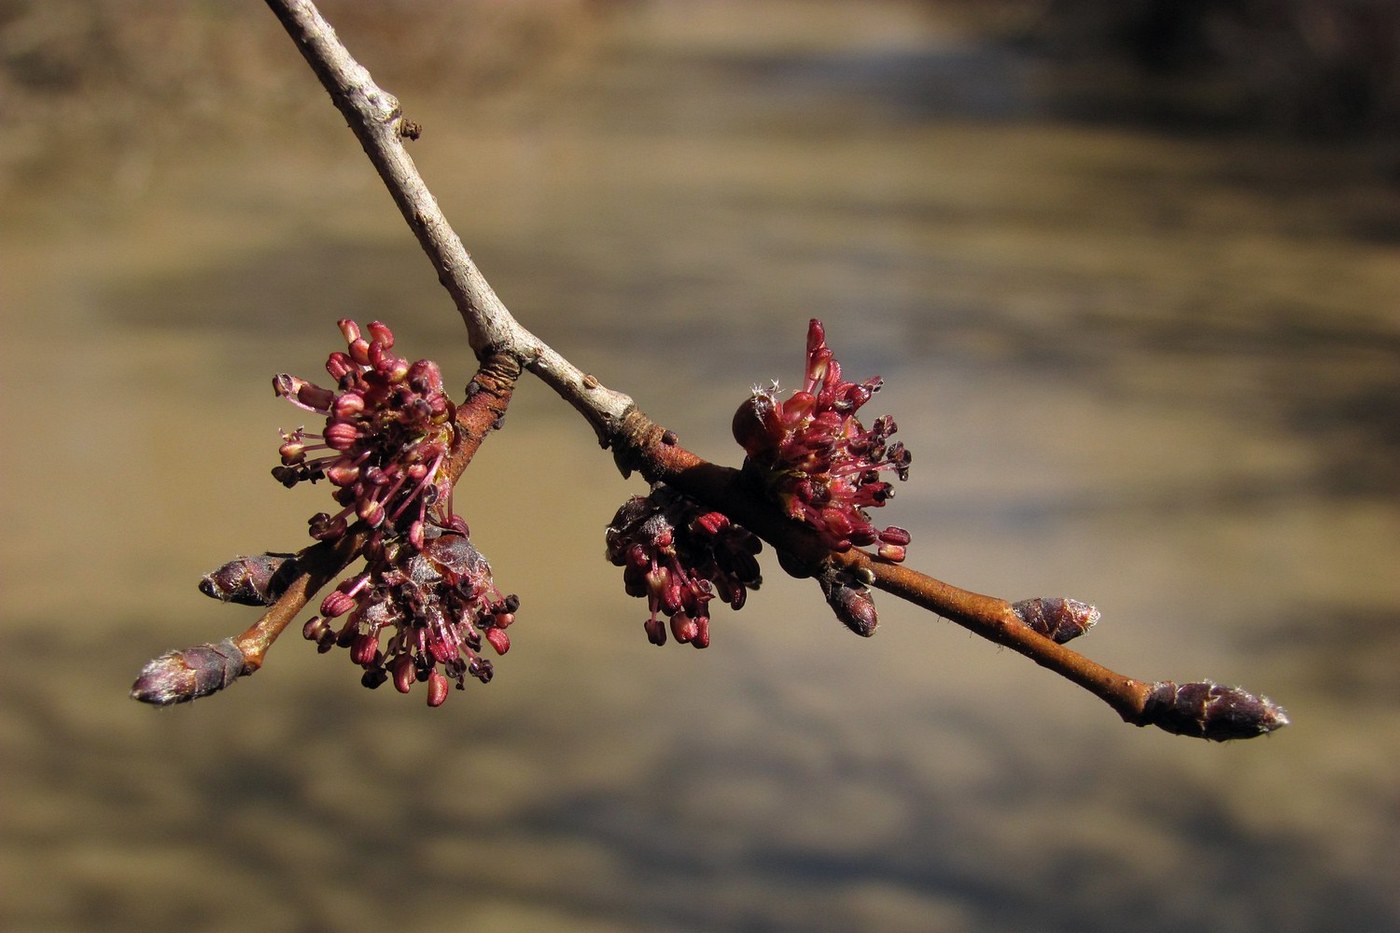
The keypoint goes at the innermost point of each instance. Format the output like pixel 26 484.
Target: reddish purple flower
pixel 386 440
pixel 419 614
pixel 680 557
pixel 816 458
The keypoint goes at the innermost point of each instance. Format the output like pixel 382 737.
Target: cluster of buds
pixel 818 461
pixel 680 557
pixel 387 436
pixel 425 603
pixel 418 614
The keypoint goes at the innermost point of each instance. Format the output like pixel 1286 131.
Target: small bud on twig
pixel 850 599
pixel 1059 619
pixel 251 581
pixel 182 676
pixel 1207 710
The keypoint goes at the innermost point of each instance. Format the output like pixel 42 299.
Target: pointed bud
pixel 854 607
pixel 182 676
pixel 1209 710
pixel 1056 618
pixel 251 581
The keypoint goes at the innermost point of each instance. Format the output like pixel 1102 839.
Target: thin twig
pixel 378 122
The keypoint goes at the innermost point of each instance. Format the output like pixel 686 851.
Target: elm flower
pixel 818 461
pixel 680 557
pixel 418 614
pixel 387 436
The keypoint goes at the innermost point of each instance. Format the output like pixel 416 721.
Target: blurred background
pixel 1130 272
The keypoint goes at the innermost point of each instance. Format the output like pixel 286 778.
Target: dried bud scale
pixel 1208 710
pixel 679 557
pixel 818 461
pixel 1059 619
pixel 182 676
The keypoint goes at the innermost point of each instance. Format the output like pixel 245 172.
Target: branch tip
pixel 182 676
pixel 1207 710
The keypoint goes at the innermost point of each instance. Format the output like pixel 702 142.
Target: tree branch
pixel 1204 709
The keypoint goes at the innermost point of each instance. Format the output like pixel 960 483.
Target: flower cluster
pixel 418 614
pixel 387 436
pixel 425 603
pixel 818 461
pixel 680 557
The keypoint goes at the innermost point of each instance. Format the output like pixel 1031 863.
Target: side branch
pixel 1202 710
pixel 188 674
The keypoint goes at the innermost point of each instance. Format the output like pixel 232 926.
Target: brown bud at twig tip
pixel 1208 710
pixel 1057 619
pixel 251 581
pixel 182 676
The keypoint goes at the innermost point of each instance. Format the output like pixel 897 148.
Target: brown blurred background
pixel 1130 272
